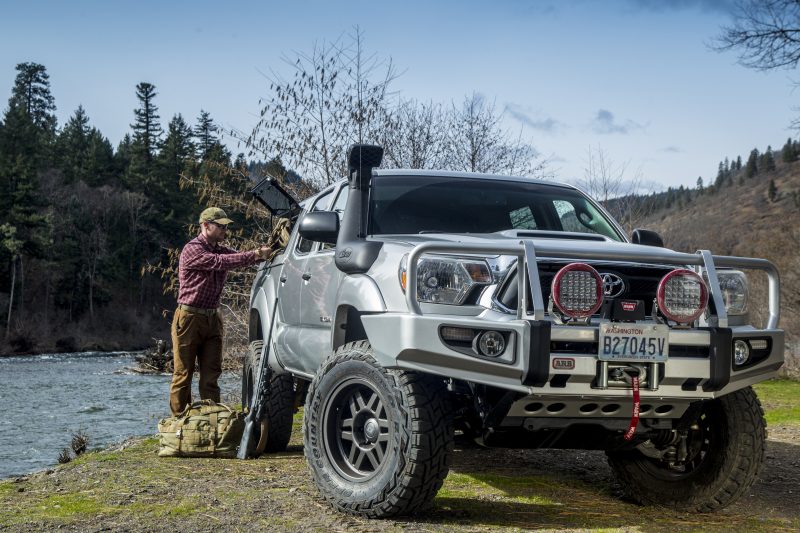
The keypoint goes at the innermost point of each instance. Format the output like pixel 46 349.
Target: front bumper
pixel 565 364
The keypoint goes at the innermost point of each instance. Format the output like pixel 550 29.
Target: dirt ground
pixel 130 489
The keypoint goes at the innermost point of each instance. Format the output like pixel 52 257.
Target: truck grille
pixel 640 282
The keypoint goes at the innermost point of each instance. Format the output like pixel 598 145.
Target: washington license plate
pixel 633 342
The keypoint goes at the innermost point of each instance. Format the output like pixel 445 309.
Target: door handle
pixel 283 279
pixel 306 276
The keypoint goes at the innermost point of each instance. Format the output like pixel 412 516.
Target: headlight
pixel 733 285
pixel 446 280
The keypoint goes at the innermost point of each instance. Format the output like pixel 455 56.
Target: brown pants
pixel 195 336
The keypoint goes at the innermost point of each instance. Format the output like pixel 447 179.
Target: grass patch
pixel 6 487
pixel 185 508
pixel 780 398
pixel 520 489
pixel 70 505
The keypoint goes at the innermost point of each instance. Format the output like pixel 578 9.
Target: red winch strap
pixel 635 415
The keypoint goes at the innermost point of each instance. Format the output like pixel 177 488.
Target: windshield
pixel 436 204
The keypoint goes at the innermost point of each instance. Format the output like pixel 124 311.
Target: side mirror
pixel 647 238
pixel 320 226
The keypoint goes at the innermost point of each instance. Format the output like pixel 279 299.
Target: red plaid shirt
pixel 202 270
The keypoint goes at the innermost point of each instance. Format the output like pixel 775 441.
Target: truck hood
pixel 570 241
pixel 550 248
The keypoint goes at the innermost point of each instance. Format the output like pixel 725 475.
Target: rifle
pixel 258 408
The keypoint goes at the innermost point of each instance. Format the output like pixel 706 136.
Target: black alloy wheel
pixel 357 429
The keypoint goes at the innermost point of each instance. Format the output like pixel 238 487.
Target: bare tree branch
pixel 765 32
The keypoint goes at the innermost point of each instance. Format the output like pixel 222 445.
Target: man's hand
pixel 263 253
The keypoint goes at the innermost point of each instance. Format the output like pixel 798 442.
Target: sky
pixel 636 79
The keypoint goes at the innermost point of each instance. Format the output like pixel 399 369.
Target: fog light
pixel 741 352
pixel 491 344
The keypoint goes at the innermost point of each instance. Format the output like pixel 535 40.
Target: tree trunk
pixel 46 297
pixel 21 305
pixel 11 295
pixel 91 290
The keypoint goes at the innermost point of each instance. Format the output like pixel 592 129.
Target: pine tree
pixel 146 129
pixel 73 147
pixel 31 93
pixel 752 164
pixel 700 184
pixel 122 157
pixel 768 160
pixel 720 176
pixel 772 191
pixel 176 158
pixel 26 146
pixel 99 159
pixel 788 153
pixel 205 133
pixel 177 150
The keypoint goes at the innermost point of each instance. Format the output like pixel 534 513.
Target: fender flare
pixel 358 294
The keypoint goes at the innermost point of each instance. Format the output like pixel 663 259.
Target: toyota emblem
pixel 613 285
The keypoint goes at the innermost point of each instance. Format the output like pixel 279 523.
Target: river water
pixel 45 399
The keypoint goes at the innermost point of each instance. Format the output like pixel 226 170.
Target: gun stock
pixel 258 407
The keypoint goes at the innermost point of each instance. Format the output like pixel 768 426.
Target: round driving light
pixel 682 296
pixel 491 344
pixel 741 352
pixel 577 290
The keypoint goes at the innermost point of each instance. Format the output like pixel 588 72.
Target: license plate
pixel 633 342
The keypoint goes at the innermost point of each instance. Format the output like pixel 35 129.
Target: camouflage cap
pixel 215 214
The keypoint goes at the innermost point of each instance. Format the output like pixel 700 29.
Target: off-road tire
pixel 412 448
pixel 280 402
pixel 733 432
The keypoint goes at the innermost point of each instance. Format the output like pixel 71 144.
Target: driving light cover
pixel 733 284
pixel 577 290
pixel 490 344
pixel 446 280
pixel 682 296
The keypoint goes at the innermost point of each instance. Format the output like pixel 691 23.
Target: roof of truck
pixel 472 175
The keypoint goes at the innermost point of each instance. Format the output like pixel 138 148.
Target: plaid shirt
pixel 202 270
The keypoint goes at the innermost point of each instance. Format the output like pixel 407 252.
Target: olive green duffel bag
pixel 203 429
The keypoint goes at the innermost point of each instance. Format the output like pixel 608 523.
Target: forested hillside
pixel 82 220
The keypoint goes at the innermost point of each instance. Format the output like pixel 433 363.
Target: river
pixel 45 399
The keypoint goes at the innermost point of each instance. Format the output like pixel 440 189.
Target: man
pixel 197 326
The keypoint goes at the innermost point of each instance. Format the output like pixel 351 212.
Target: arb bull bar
pixel 713 331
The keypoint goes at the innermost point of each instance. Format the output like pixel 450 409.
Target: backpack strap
pixel 213 419
pixel 179 433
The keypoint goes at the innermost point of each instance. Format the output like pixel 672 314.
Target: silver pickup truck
pixel 413 307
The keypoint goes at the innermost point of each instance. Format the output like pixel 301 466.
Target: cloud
pixel 671 149
pixel 707 6
pixel 604 123
pixel 523 115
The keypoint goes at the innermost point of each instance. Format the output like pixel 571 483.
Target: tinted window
pixel 418 204
pixel 304 246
